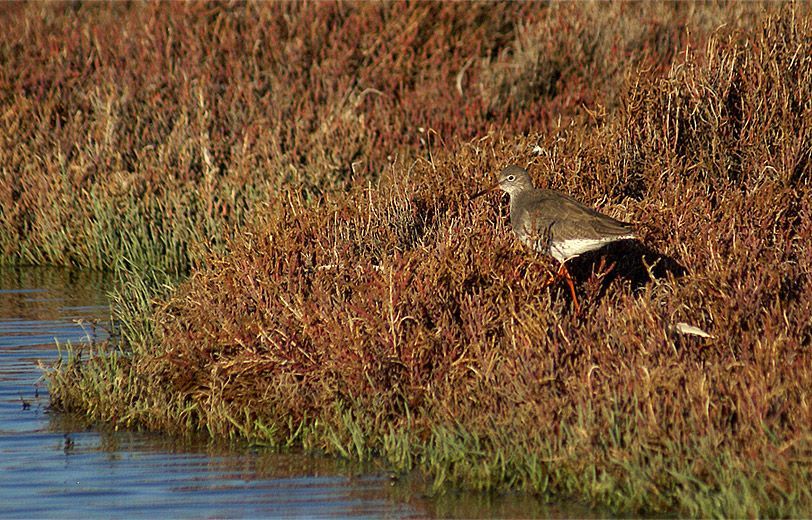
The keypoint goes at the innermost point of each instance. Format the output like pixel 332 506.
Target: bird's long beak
pixel 485 191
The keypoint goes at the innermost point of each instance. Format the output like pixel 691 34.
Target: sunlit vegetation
pixel 283 190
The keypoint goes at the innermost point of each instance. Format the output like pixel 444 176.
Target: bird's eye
pixel 511 178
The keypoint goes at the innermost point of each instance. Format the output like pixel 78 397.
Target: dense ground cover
pixel 347 296
pixel 143 131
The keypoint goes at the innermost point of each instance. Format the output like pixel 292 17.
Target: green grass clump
pixel 399 319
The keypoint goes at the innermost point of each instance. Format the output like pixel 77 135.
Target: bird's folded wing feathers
pixel 578 221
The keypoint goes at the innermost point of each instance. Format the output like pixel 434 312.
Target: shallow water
pixel 54 465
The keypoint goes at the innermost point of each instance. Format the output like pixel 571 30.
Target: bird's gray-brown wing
pixel 556 216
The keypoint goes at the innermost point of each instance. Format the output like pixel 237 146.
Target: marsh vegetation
pixel 283 190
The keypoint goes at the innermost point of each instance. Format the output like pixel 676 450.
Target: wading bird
pixel 555 224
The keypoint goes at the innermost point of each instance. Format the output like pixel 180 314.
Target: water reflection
pixel 57 465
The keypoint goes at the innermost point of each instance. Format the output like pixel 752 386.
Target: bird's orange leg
pixel 564 273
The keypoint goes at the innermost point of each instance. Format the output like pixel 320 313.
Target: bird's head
pixel 511 180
